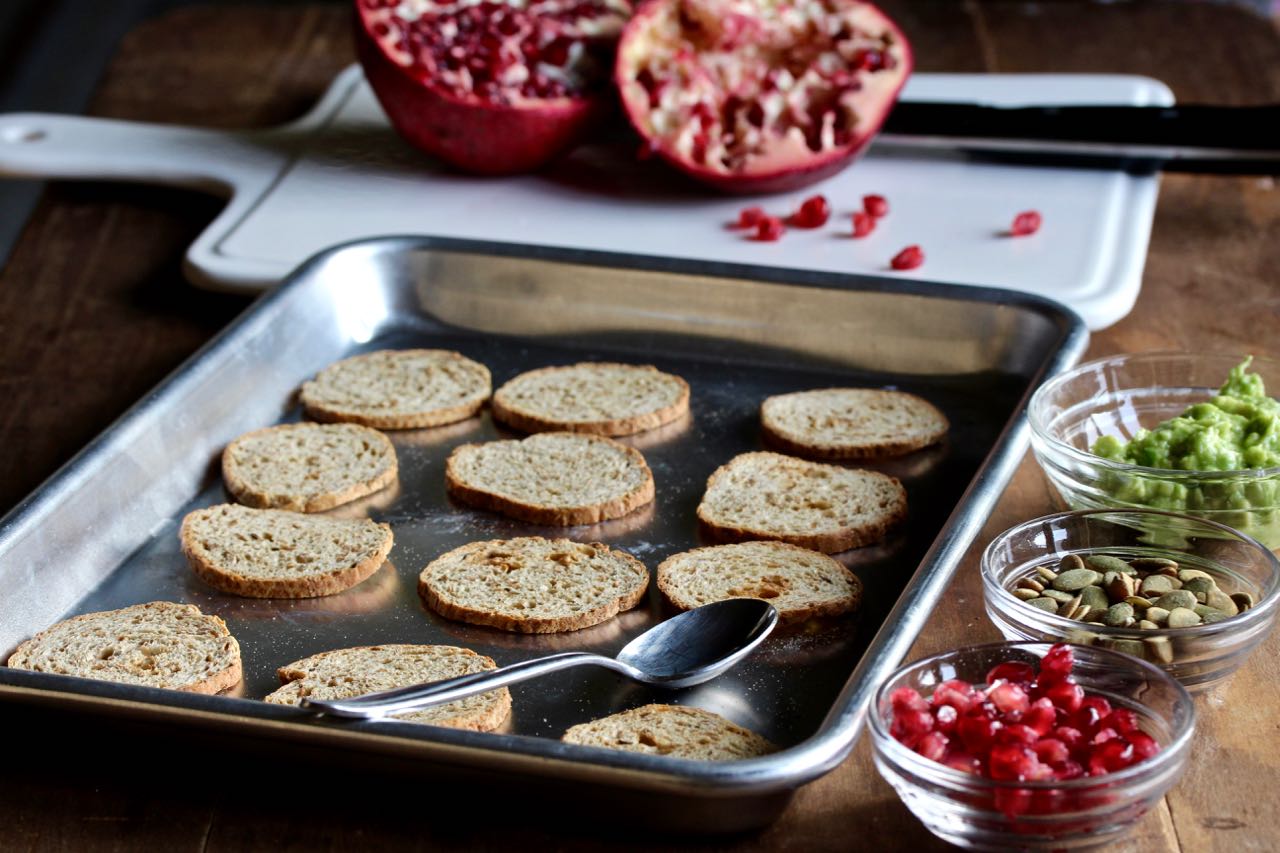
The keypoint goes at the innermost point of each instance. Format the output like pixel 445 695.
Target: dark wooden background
pixel 94 312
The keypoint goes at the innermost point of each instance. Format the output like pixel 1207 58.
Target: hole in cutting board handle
pixel 15 135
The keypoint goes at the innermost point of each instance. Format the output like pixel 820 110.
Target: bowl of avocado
pixel 1188 433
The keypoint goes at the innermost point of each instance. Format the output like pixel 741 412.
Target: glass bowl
pixel 1198 656
pixel 983 814
pixel 1118 396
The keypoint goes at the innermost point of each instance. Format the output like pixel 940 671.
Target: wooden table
pixel 94 311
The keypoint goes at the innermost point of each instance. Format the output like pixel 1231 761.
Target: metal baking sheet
pixel 102 533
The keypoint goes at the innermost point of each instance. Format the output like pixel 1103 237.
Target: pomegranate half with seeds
pixel 491 87
pixel 760 95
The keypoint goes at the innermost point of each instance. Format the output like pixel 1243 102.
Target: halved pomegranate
pixel 491 87
pixel 760 95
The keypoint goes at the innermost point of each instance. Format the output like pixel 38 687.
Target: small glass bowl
pixel 1118 396
pixel 983 814
pixel 1198 656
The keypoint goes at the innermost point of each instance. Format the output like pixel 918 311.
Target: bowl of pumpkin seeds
pixel 1195 603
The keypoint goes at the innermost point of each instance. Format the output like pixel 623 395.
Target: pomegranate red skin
pixel 799 175
pixel 475 136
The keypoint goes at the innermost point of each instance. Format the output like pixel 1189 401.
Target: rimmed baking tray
pixel 102 532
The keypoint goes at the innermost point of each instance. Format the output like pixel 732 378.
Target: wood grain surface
pixel 94 311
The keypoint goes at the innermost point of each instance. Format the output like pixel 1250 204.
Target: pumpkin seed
pixel 1028 583
pixel 1199 585
pixel 1046 574
pixel 1183 617
pixel 1219 600
pixel 1177 598
pixel 1105 563
pixel 1118 614
pixel 1058 595
pixel 1125 646
pixel 1157 615
pixel 1095 616
pixel 1243 600
pixel 1070 563
pixel 1159 649
pixel 1139 603
pixel 1214 616
pixel 1158 584
pixel 1076 579
pixel 1185 575
pixel 1094 597
pixel 1152 564
pixel 1046 604
pixel 1026 594
pixel 1147 625
pixel 1121 586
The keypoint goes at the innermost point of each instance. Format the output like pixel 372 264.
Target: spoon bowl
pixel 685 650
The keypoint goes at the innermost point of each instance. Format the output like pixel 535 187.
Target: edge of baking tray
pixel 782 770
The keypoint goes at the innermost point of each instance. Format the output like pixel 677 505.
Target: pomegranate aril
pixel 1011 762
pixel 769 229
pixel 1144 745
pixel 911 722
pixel 1025 224
pixel 1111 756
pixel 863 224
pixel 1102 706
pixel 932 746
pixel 813 213
pixel 1051 751
pixel 964 762
pixel 977 733
pixel 1016 671
pixel 1068 770
pixel 1056 664
pixel 1066 696
pixel 1122 720
pixel 1012 801
pixel 1086 720
pixel 1071 737
pixel 1017 733
pixel 908 259
pixel 1009 698
pixel 875 205
pixel 958 694
pixel 749 217
pixel 1040 716
pixel 1104 735
pixel 944 718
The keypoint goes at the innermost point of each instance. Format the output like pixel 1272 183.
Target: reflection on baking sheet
pixel 604 638
pixel 371 595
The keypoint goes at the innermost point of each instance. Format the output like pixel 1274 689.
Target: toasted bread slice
pixel 344 673
pixel 398 389
pixel 533 585
pixel 555 478
pixel 799 583
pixel 160 644
pixel 308 467
pixel 673 730
pixel 604 398
pixel 272 553
pixel 823 507
pixel 851 423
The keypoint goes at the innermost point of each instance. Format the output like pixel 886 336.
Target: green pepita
pixel 1106 563
pixel 1076 579
pixel 1176 598
pixel 1156 584
pixel 1118 614
pixel 1046 604
pixel 1183 617
pixel 1026 594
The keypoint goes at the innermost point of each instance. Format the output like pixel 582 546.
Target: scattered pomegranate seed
pixel 769 229
pixel 875 205
pixel 863 224
pixel 1000 731
pixel 813 213
pixel 908 259
pixel 749 217
pixel 1025 224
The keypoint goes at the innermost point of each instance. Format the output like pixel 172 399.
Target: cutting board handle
pixel 43 145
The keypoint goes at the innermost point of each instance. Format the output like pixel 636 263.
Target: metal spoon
pixel 688 649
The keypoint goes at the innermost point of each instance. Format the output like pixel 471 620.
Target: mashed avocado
pixel 1237 429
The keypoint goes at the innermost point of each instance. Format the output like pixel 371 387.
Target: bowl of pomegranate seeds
pixel 1027 745
pixel 1190 596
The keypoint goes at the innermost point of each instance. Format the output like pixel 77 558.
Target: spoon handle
pixel 381 704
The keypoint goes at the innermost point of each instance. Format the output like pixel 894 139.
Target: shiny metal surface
pixel 102 533
pixel 689 648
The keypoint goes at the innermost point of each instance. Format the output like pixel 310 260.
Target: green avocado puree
pixel 1237 429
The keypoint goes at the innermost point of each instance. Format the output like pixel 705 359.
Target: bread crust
pixel 828 542
pixel 532 624
pixel 486 719
pixel 793 445
pixel 834 607
pixel 481 498
pixel 313 586
pixel 244 492
pixel 509 412
pixel 638 720
pixel 215 683
pixel 325 413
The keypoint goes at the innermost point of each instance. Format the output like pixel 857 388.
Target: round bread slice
pixel 555 478
pixel 673 730
pixel 533 585
pixel 823 507
pixel 799 583
pixel 272 553
pixel 604 398
pixel 851 423
pixel 344 673
pixel 398 389
pixel 160 644
pixel 308 467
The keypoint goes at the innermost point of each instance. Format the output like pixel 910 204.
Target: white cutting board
pixel 340 174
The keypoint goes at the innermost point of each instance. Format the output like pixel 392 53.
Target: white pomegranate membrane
pixel 506 53
pixel 759 85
